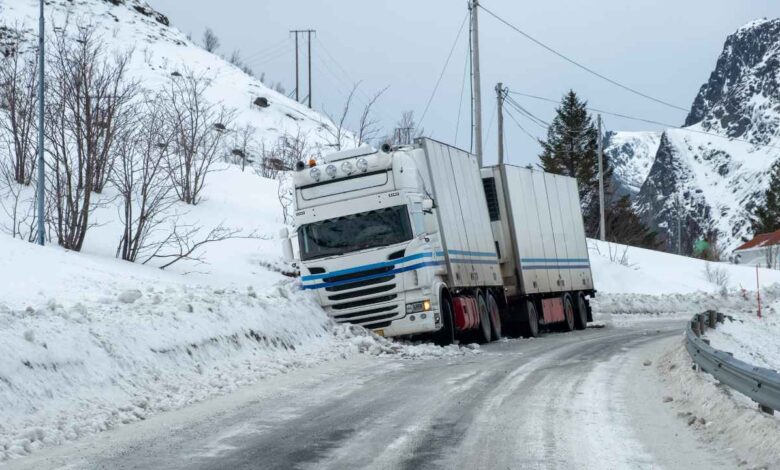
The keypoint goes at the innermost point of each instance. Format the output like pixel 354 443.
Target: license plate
pixel 380 332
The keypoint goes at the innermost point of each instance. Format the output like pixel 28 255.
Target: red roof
pixel 762 239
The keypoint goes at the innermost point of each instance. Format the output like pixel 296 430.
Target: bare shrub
pixel 716 275
pixel 198 129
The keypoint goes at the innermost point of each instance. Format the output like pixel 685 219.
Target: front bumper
pixel 424 322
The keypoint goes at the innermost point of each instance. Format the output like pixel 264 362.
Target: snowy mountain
pixel 160 50
pixel 705 179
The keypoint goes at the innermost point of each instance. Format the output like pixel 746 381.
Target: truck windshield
pixel 381 227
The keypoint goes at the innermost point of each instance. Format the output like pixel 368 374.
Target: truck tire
pixel 446 335
pixel 483 332
pixel 568 313
pixel 582 313
pixel 495 318
pixel 530 325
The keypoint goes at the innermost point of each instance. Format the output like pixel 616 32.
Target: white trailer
pixel 538 228
pixel 399 241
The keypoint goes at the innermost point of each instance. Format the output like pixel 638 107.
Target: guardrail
pixel 758 383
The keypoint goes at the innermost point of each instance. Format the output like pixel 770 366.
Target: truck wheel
pixel 530 325
pixel 483 331
pixel 582 313
pixel 495 318
pixel 446 335
pixel 568 313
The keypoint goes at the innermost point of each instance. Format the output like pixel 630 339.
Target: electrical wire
pixel 650 121
pixel 270 50
pixel 583 67
pixel 525 131
pixel 460 101
pixel 441 75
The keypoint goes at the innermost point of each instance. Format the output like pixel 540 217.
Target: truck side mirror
pixel 427 205
pixel 287 251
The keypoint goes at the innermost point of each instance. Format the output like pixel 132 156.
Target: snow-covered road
pixel 578 400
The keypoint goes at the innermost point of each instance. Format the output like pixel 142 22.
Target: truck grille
pixel 362 283
pixel 363 293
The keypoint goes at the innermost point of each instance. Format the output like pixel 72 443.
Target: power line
pixel 583 67
pixel 532 117
pixel 444 69
pixel 460 101
pixel 650 121
pixel 525 131
pixel 270 50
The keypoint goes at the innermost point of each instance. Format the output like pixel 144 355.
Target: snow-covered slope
pixel 160 50
pixel 719 178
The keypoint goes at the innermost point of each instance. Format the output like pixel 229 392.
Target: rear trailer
pixel 540 237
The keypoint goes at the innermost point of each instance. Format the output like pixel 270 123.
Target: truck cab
pixel 368 243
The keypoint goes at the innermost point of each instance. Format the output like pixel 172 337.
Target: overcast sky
pixel 665 48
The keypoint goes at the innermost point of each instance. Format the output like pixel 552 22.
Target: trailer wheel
pixel 446 335
pixel 495 317
pixel 582 313
pixel 568 313
pixel 530 325
pixel 483 331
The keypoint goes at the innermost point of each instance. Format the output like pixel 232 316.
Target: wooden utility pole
pixel 602 222
pixel 41 235
pixel 308 32
pixel 500 94
pixel 477 110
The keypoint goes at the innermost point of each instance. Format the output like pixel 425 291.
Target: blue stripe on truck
pixel 373 276
pixel 555 260
pixel 384 264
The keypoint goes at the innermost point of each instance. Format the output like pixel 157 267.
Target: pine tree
pixel 571 149
pixel 766 218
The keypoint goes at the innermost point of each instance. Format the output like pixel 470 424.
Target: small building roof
pixel 761 240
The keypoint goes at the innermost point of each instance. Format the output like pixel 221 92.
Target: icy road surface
pixel 576 400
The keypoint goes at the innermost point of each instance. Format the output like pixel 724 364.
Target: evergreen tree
pixel 766 218
pixel 571 149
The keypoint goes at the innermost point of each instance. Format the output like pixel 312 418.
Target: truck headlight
pixel 362 164
pixel 415 307
pixel 315 173
pixel 346 167
pixel 331 170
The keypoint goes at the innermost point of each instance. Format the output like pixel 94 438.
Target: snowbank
pixel 629 270
pixel 89 343
pixel 752 339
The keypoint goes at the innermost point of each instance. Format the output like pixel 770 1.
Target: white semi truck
pixel 418 240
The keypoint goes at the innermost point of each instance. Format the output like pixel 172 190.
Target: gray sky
pixel 665 48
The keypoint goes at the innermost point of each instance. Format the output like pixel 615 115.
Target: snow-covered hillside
pixel 719 178
pixel 159 50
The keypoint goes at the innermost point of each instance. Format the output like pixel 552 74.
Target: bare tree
pixel 18 102
pixel 242 145
pixel 198 128
pixel 17 202
pixel 141 178
pixel 337 131
pixel 772 256
pixel 368 126
pixel 405 131
pixel 86 108
pixel 210 40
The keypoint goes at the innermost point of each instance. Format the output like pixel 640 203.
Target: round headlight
pixel 362 164
pixel 331 170
pixel 346 167
pixel 315 173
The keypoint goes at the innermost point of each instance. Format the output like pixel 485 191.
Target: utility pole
pixel 309 67
pixel 297 74
pixel 477 111
pixel 679 223
pixel 500 94
pixel 297 83
pixel 41 175
pixel 602 223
